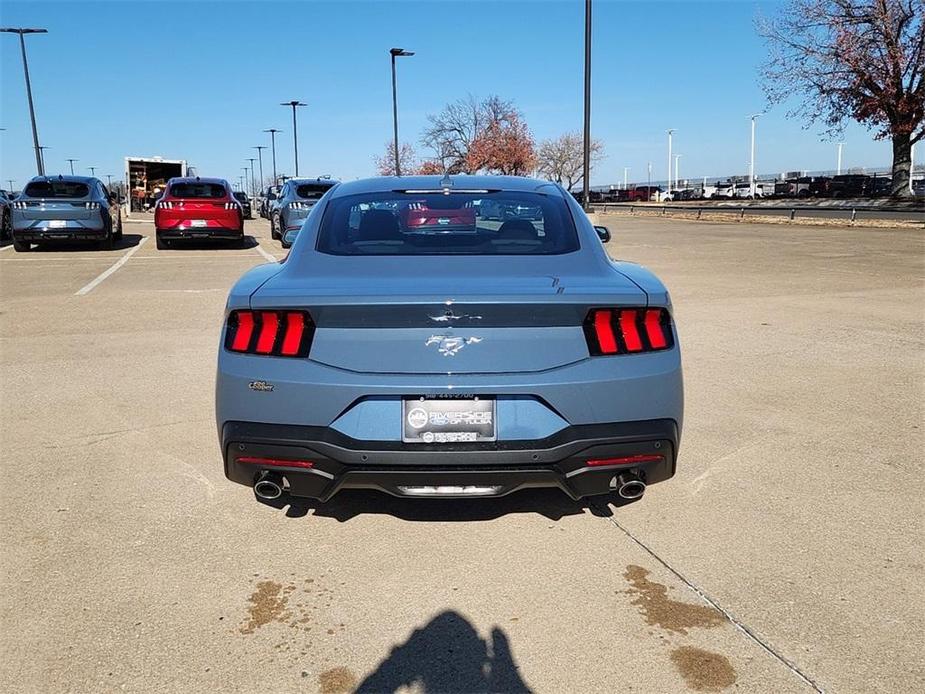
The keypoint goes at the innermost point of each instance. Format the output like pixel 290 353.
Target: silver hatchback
pixel 65 208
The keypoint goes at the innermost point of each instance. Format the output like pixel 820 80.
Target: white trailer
pixel 146 178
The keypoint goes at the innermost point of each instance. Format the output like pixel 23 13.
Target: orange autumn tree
pixel 504 146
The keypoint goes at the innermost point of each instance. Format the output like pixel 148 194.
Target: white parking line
pixel 271 258
pixel 5 247
pixel 106 273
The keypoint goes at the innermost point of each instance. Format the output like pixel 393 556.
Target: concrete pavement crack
pixel 743 628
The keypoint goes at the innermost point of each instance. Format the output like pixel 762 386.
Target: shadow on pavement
pixel 349 504
pixel 128 240
pixel 211 244
pixel 448 655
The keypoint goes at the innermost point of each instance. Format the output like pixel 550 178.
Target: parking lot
pixel 785 555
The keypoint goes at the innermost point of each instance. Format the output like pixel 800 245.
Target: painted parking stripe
pixel 271 258
pixel 6 247
pixel 106 273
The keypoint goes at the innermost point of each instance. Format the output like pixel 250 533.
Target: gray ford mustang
pixel 410 345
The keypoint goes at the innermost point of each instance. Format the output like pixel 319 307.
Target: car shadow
pixel 127 241
pixel 211 245
pixel 447 655
pixel 350 503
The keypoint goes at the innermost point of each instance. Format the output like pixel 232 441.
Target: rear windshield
pixel 197 190
pixel 241 196
pixel 57 189
pixel 311 191
pixel 497 223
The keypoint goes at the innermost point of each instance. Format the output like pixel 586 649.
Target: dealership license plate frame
pixel 198 223
pixel 441 427
pixel 57 224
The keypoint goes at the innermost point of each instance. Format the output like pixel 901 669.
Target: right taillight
pixel 628 330
pixel 270 333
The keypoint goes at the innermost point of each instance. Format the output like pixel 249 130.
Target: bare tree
pixel 561 159
pixel 385 165
pixel 453 131
pixel 504 145
pixel 860 59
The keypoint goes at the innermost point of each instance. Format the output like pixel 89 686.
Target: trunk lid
pixel 440 315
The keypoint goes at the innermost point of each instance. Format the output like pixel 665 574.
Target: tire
pixel 162 243
pixel 274 229
pixel 21 246
pixel 107 243
pixel 119 231
pixel 6 231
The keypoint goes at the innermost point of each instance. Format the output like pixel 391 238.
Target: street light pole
pixel 244 178
pixel 92 170
pixel 677 178
pixel 670 133
pixel 11 181
pixel 253 187
pixel 838 166
pixel 649 181
pixel 586 154
pixel 273 132
pixel 396 53
pixel 71 162
pixel 42 149
pixel 751 166
pixel 39 164
pixel 260 149
pixel 295 133
pixel 626 171
pixel 109 180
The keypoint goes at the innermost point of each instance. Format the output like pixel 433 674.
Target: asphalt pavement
pixel 785 556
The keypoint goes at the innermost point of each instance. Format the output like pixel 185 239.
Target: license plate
pixel 198 223
pixel 57 224
pixel 451 420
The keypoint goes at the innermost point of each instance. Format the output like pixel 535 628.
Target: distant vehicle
pixel 146 178
pixel 707 191
pixel 743 189
pixel 687 194
pixel 918 187
pixel 783 189
pixel 849 186
pixel 198 208
pixel 333 366
pixel 295 201
pixel 724 190
pixel 266 199
pixel 6 213
pixel 820 186
pixel 65 208
pixel 245 201
pixel 880 186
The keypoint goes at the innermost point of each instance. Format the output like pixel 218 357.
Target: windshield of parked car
pixel 57 189
pixel 197 190
pixel 311 191
pixel 432 223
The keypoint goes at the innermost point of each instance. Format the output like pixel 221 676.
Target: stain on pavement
pixel 660 610
pixel 702 670
pixel 337 680
pixel 267 604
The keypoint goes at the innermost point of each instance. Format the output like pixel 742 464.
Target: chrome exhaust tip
pixel 268 487
pixel 630 486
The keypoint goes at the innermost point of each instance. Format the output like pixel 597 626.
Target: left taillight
pixel 628 330
pixel 270 333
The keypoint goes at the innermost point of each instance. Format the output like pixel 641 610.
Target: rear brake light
pixel 275 462
pixel 628 330
pixel 270 333
pixel 625 460
pixel 92 205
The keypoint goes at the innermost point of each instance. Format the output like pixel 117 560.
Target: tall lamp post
pixel 71 162
pixel 677 178
pixel 586 154
pixel 751 166
pixel 253 187
pixel 626 171
pixel 295 133
pixel 260 149
pixel 396 53
pixel 39 164
pixel 273 132
pixel 42 149
pixel 109 180
pixel 838 165
pixel 670 133
pixel 244 178
pixel 92 170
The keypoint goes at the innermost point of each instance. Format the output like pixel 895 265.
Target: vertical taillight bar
pixel 270 333
pixel 627 330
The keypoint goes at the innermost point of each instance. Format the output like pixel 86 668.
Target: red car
pixel 198 208
pixel 417 216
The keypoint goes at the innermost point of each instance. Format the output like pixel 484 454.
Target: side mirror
pixel 603 233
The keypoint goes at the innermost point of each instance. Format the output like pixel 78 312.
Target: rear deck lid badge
pixel 260 386
pixel 450 346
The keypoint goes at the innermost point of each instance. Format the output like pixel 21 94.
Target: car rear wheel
pixel 119 231
pixel 7 230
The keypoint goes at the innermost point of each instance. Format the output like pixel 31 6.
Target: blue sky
pixel 200 81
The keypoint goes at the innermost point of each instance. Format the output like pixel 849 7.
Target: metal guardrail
pixel 849 213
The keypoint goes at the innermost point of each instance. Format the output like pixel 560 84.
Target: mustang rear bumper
pixel 37 235
pixel 174 233
pixel 486 469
